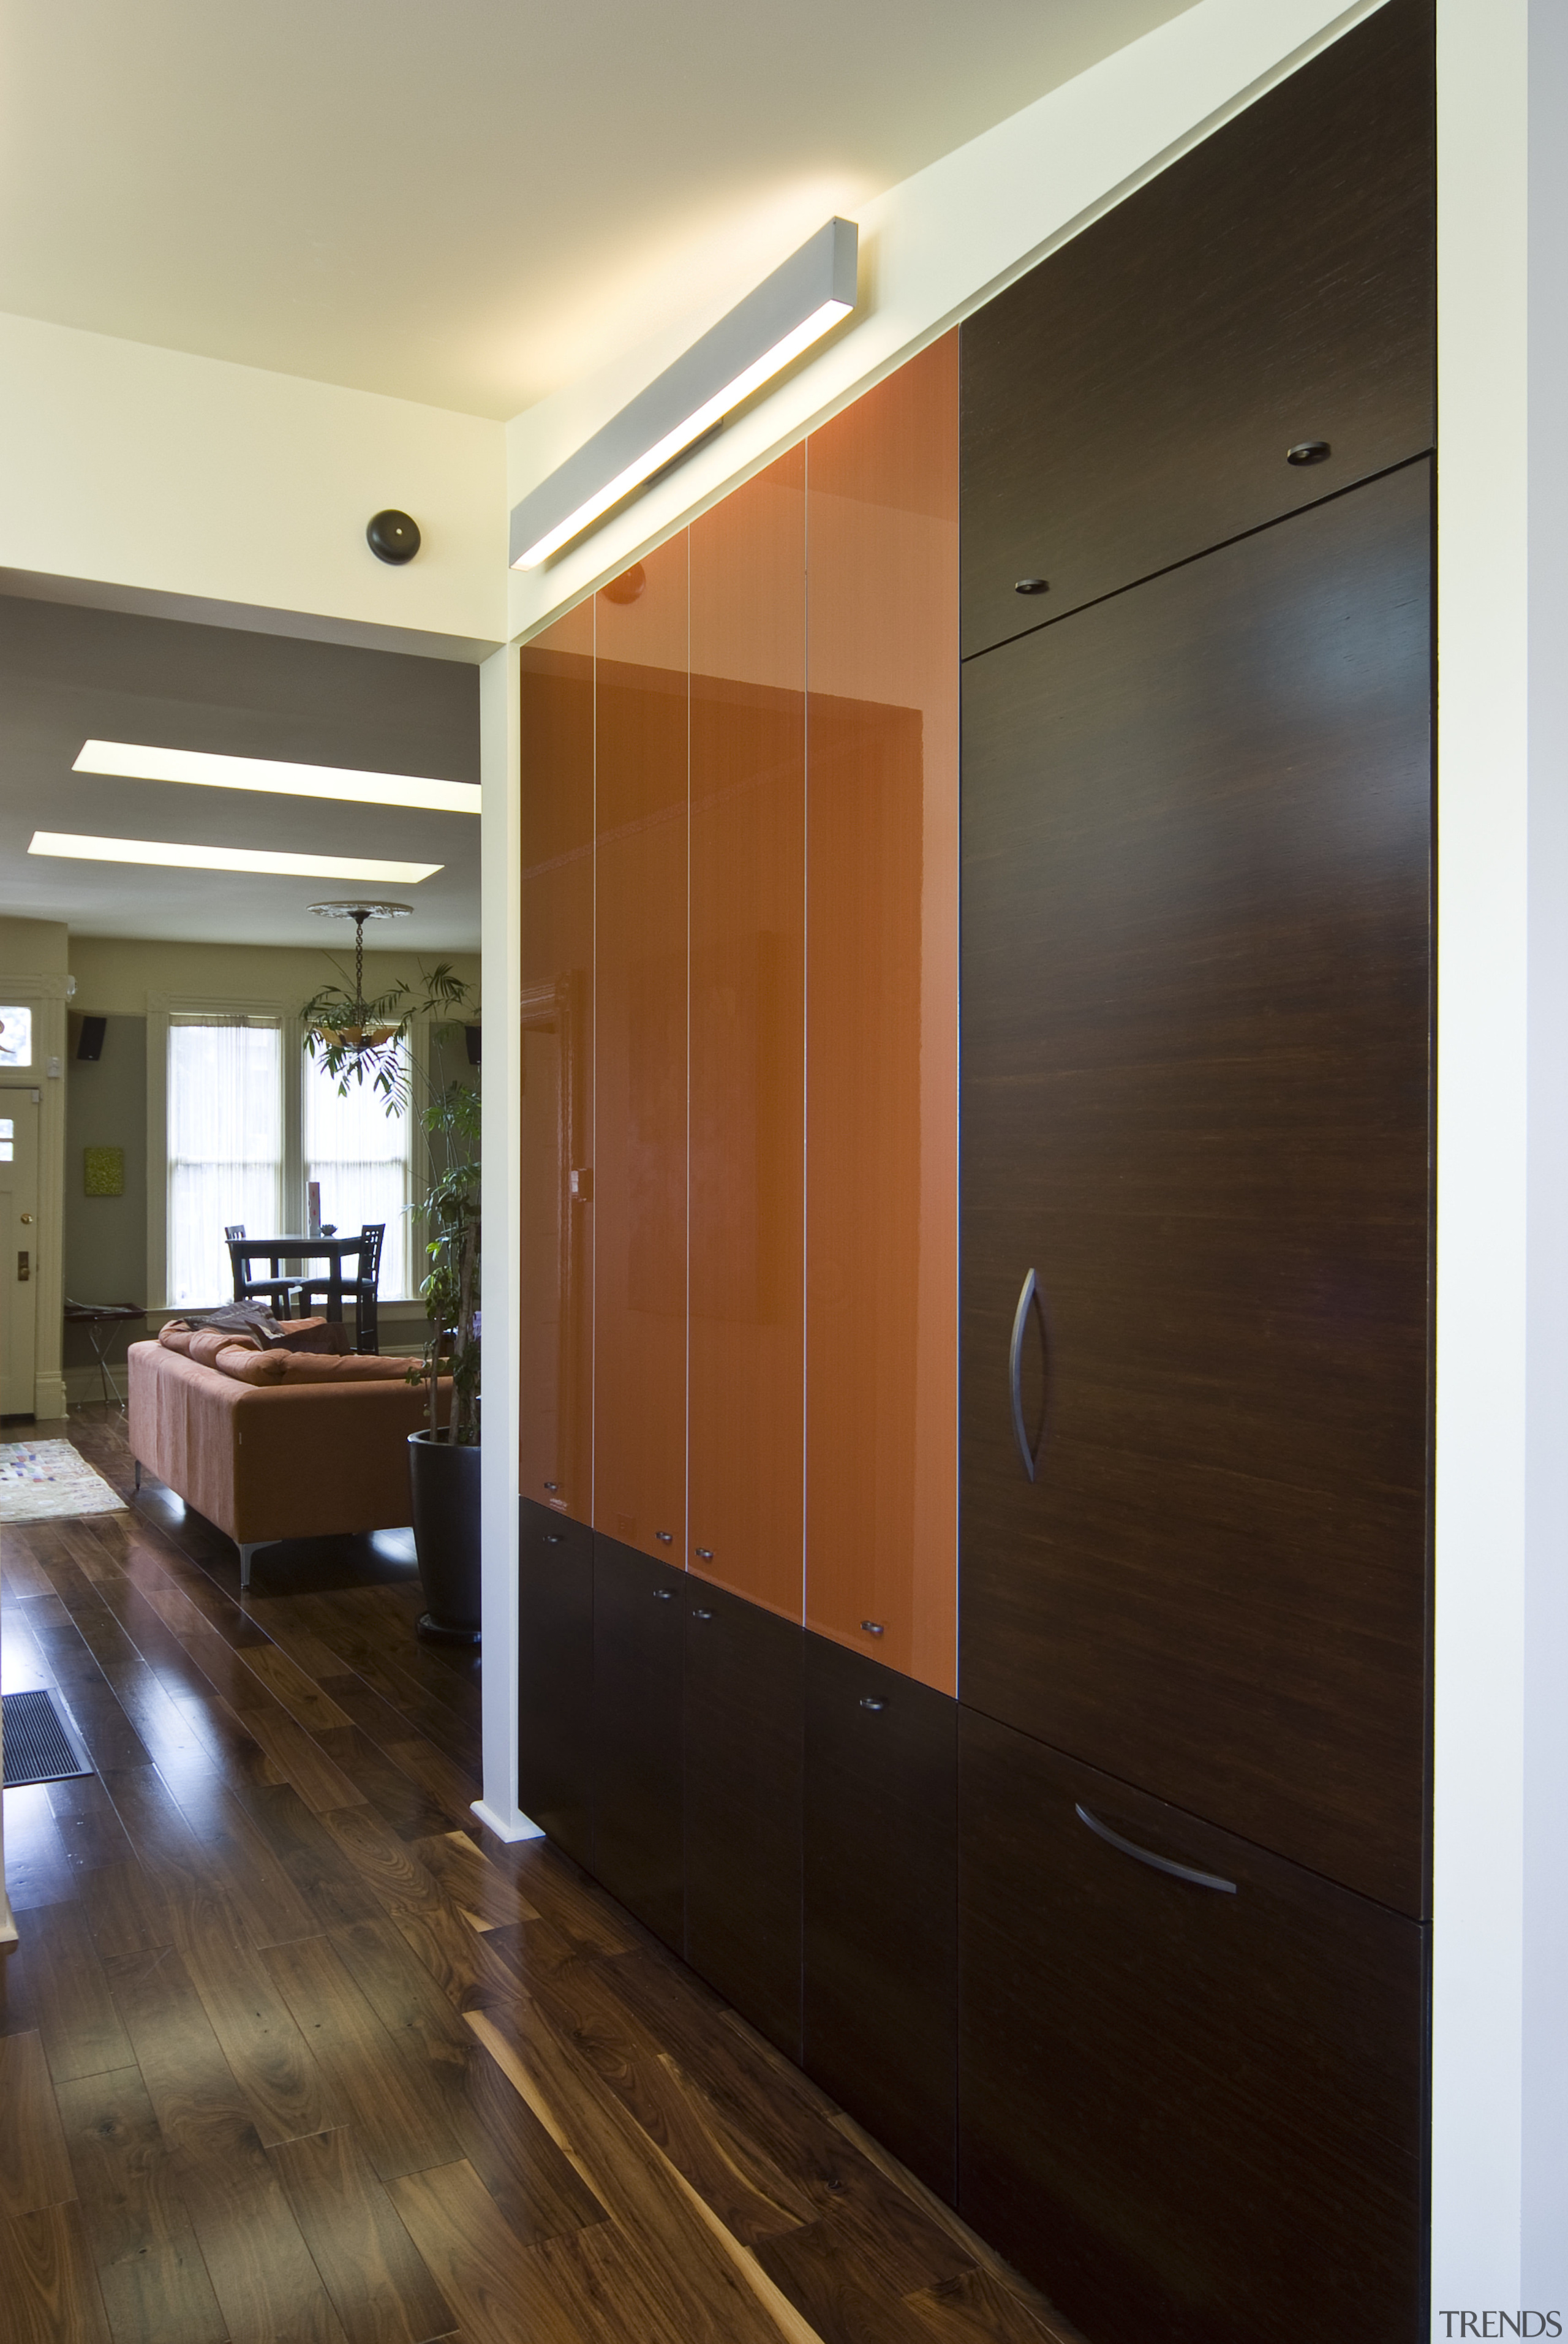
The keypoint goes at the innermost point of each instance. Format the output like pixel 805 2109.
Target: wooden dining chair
pixel 363 1289
pixel 276 1291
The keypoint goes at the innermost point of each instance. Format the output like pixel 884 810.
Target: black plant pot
pixel 445 1486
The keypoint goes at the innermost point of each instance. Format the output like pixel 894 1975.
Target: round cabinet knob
pixel 700 1614
pixel 664 1537
pixel 1309 451
pixel 664 1595
pixel 870 1701
pixel 555 1538
pixel 873 1627
pixel 552 1485
pixel 705 1554
pixel 1032 586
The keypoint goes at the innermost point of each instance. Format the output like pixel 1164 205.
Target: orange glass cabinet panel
pixel 641 1056
pixel 556 1300
pixel 882 1119
pixel 746 1431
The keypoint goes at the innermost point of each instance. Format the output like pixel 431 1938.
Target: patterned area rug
pixel 41 1480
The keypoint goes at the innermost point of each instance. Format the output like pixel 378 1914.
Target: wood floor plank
pixel 125 1910
pixel 410 1811
pixel 817 2269
pixel 138 2228
pixel 564 1895
pixel 327 1881
pixel 703 2296
pixel 399 2121
pixel 380 2285
pixel 48 2283
pixel 452 1786
pixel 479 1889
pixel 35 2170
pixel 70 1994
pixel 296 1756
pixel 500 2291
pixel 977 2307
pixel 182 1860
pixel 266 2282
pixel 90 1831
pixel 281 1679
pixel 19 1574
pixel 286 2091
pixel 38 1869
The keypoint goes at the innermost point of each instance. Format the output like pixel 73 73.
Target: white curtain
pixel 361 1157
pixel 224 1146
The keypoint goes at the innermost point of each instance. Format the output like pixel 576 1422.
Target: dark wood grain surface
pixel 1131 401
pixel 1201 2112
pixel 1196 1103
pixel 555 1677
pixel 610 2147
pixel 638 1635
pixel 879 1903
pixel 744 1725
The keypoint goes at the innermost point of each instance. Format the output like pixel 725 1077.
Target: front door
pixel 18 1247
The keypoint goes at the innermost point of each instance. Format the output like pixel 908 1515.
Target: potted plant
pixel 355 1041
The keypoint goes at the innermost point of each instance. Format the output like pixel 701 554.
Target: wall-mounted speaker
pixel 86 1036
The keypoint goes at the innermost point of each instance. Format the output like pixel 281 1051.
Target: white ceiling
pixel 471 202
pixel 67 675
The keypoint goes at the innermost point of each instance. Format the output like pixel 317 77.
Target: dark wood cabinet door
pixel 880 1908
pixel 1131 401
pixel 1196 1105
pixel 639 1626
pixel 1185 2112
pixel 555 1677
pixel 743 1751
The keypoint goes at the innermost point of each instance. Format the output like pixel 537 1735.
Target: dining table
pixel 296 1252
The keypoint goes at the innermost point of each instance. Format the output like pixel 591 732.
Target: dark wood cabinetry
pixel 638 1632
pixel 881 1953
pixel 1197 825
pixel 743 1757
pixel 1188 2112
pixel 555 1677
pixel 1132 401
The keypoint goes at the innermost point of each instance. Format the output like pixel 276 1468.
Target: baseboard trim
pixel 49 1398
pixel 519 1827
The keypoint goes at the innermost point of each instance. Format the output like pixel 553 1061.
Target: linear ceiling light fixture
pixel 133 762
pixel 786 313
pixel 230 858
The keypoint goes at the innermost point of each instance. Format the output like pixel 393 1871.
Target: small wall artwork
pixel 102 1171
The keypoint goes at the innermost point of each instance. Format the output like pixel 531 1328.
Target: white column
pixel 1500 2074
pixel 501 912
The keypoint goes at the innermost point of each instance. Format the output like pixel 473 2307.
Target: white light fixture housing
pixel 786 313
pixel 179 857
pixel 136 761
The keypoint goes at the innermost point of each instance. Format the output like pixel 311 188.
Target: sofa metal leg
pixel 138 1472
pixel 244 1554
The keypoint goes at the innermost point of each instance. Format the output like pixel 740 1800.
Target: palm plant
pixel 359 1041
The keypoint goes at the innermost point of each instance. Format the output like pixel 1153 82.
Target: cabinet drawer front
pixel 1131 400
pixel 880 1908
pixel 1197 1036
pixel 1188 2111
pixel 636 1730
pixel 743 1756
pixel 555 1677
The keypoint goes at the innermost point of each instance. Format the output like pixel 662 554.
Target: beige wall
pixel 35 947
pixel 115 974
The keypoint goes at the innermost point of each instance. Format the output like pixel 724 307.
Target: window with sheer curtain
pixel 225 1145
pixel 361 1157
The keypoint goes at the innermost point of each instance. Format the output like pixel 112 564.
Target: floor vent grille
pixel 42 1745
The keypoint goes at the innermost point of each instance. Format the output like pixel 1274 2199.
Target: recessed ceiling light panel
pixel 786 313
pixel 134 762
pixel 176 857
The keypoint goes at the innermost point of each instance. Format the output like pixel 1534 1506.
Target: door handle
pixel 1159 1863
pixel 1028 1300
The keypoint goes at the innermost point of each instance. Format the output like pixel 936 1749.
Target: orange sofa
pixel 319 1454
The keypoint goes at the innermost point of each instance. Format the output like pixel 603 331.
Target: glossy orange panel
pixel 641 1056
pixel 748 939
pixel 882 1118
pixel 555 1297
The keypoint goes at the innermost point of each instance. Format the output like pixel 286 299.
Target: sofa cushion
pixel 176 1337
pixel 246 1362
pixel 298 1368
pixel 207 1344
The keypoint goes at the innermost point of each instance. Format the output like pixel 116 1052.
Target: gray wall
pixel 106 1236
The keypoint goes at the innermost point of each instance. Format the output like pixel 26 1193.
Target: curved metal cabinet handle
pixel 868 1700
pixel 1160 1863
pixel 1028 1300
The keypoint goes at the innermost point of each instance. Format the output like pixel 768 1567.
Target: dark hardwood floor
pixel 292 2051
